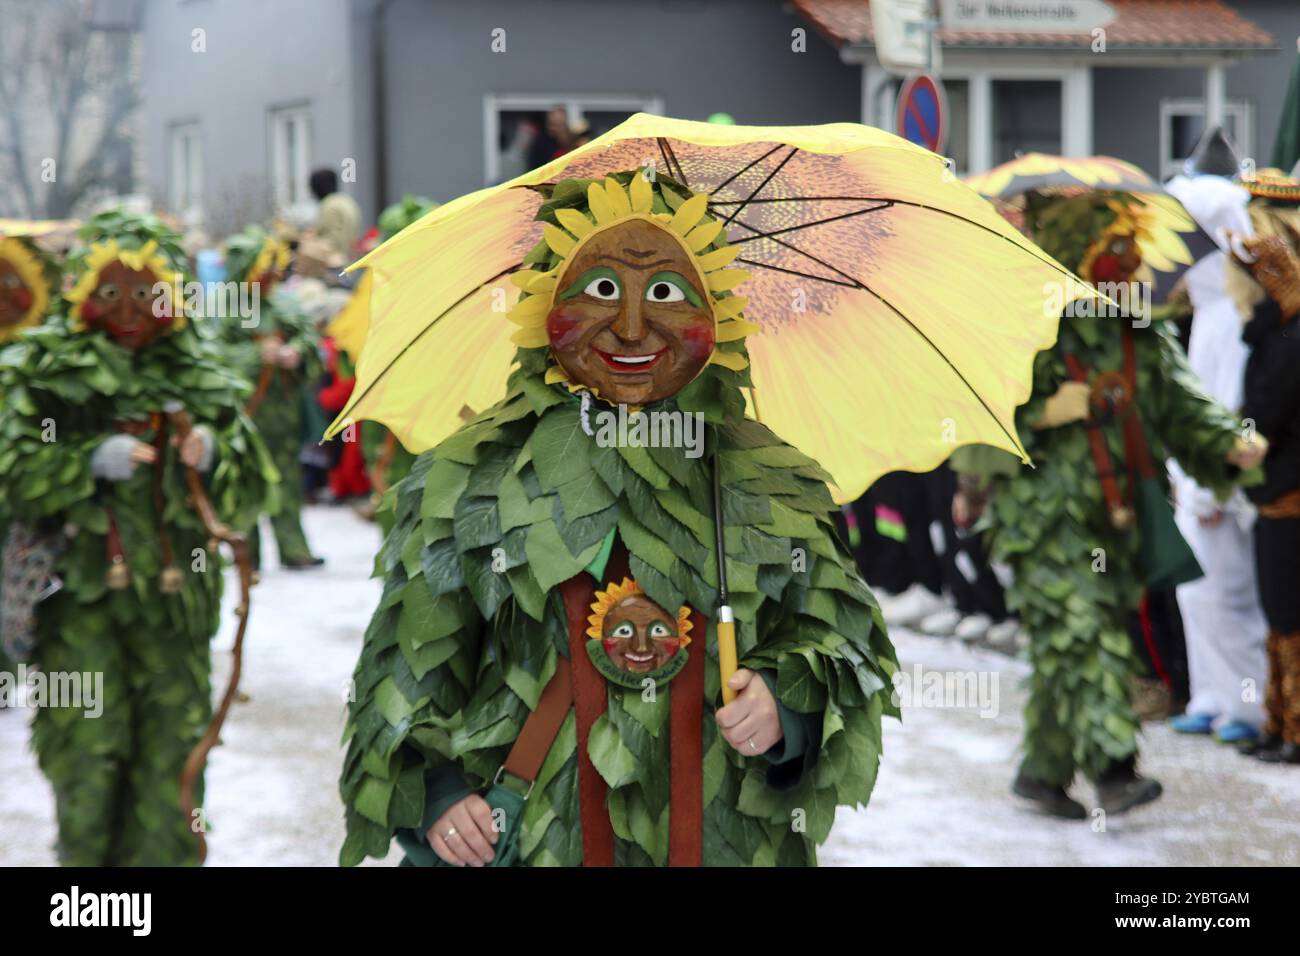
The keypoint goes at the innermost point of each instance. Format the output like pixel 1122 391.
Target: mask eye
pixel 624 630
pixel 108 292
pixel 11 282
pixel 664 291
pixel 141 293
pixel 1119 247
pixel 603 288
pixel 660 629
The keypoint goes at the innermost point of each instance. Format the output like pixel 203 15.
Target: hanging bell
pixel 171 580
pixel 118 575
pixel 1122 517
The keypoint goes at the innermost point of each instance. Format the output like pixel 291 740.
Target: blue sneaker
pixel 1236 732
pixel 1192 723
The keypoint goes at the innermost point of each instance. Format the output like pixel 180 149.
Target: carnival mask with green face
pixel 631 320
pixel 15 295
pixel 632 636
pixel 122 306
pixel 639 636
pixel 1117 261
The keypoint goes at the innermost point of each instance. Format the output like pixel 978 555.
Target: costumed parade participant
pixel 29 280
pixel 657 652
pixel 1272 406
pixel 123 441
pixel 1090 527
pixel 388 462
pixel 279 353
pixel 1222 619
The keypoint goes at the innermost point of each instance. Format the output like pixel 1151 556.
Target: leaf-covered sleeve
pixel 1196 429
pixel 825 643
pixel 418 667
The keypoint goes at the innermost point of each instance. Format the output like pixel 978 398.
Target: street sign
pixel 1025 16
pixel 921 116
pixel 901 30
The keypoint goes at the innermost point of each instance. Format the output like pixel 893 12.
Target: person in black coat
pixel 1272 407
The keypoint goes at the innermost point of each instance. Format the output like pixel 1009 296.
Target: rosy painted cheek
pixel 698 340
pixel 669 646
pixel 611 645
pixel 90 312
pixel 22 298
pixel 563 327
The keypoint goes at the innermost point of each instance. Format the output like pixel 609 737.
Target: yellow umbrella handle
pixel 726 651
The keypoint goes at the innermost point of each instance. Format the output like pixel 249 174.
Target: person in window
pixel 338 222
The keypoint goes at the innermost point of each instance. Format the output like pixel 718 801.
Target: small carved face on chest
pixel 122 305
pixel 638 636
pixel 631 318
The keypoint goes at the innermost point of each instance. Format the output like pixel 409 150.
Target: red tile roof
pixel 1139 24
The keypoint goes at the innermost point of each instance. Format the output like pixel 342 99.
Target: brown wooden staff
pixel 216 529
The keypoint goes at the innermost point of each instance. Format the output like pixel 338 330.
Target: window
pixel 525 131
pixel 1027 118
pixel 186 173
pixel 1183 121
pixel 291 162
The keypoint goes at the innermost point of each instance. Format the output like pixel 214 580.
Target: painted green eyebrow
pixel 681 282
pixel 584 280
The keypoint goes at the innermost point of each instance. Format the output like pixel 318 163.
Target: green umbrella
pixel 1286 147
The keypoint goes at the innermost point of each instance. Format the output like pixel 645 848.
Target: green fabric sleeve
pixel 792 756
pixel 444 786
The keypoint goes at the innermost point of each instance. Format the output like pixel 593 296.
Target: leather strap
pixel 1097 444
pixel 686 737
pixel 1135 442
pixel 589 702
pixel 259 393
pixel 543 725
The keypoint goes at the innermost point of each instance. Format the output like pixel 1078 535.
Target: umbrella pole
pixel 726 622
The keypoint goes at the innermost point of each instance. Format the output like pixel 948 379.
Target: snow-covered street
pixel 942 797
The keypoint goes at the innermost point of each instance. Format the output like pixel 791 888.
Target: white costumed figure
pixel 1222 619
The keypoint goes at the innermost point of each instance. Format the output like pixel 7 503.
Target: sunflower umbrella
pixel 898 314
pixel 1170 244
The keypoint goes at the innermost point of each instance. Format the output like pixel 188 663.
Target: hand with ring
pixel 465 834
pixel 751 723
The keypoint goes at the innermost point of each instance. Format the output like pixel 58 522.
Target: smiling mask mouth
pixel 631 363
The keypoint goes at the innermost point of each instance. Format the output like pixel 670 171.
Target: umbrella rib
pixel 795 272
pixel 356 400
pixel 737 211
pixel 670 161
pixel 859 284
pixel 665 144
pixel 807 225
pixel 744 169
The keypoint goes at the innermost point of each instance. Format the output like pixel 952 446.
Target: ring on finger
pixel 451 832
pixel 752 745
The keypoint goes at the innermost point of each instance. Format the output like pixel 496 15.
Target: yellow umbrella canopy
pixel 898 313
pixel 1170 240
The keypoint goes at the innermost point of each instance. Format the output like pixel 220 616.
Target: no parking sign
pixel 921 116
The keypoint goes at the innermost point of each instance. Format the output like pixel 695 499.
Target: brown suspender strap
pixel 589 702
pixel 1135 442
pixel 259 393
pixel 686 738
pixel 1097 444
pixel 543 725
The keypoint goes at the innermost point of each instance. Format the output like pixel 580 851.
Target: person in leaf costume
pixel 280 354
pixel 94 465
pixel 388 461
pixel 29 279
pixel 548 631
pixel 1089 528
